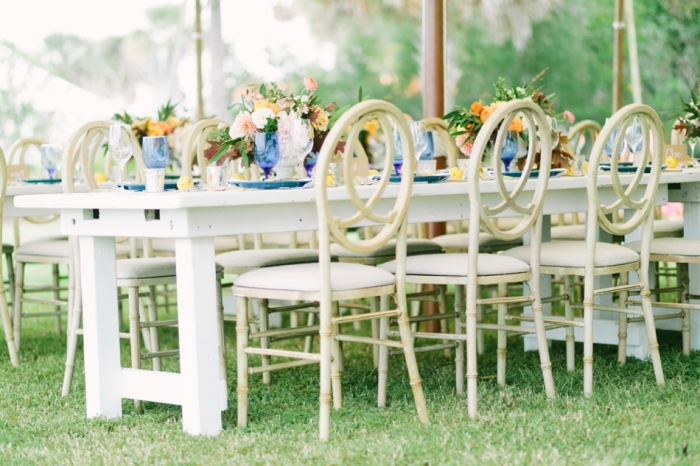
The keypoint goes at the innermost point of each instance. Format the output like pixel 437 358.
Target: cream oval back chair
pixel 468 271
pixel 328 282
pixel 440 126
pixel 195 143
pixel 591 258
pixel 4 311
pixel 582 132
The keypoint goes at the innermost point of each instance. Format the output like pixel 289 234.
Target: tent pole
pixel 634 57
pixel 198 42
pixel 618 54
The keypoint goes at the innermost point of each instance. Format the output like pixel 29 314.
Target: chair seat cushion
pixel 460 241
pixel 57 248
pixel 151 267
pixel 569 232
pixel 221 244
pixel 413 246
pixel 457 265
pixel 670 247
pixel 306 277
pixel 665 228
pixel 573 254
pixel 256 258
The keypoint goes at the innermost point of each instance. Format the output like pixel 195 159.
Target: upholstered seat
pixel 256 258
pixel 668 228
pixel 662 229
pixel 307 278
pixel 569 232
pixel 57 248
pixel 573 254
pixel 457 265
pixel 152 267
pixel 413 246
pixel 167 245
pixel 670 247
pixel 460 242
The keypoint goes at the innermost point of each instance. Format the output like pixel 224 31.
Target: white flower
pixel 261 115
pixel 305 98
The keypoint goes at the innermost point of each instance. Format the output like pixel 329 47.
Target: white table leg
pixel 530 341
pixel 691 230
pixel 199 336
pixel 101 327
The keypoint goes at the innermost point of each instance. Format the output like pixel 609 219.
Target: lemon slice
pixel 100 177
pixel 184 182
pixel 456 173
pixel 330 179
pixel 373 173
pixel 239 177
pixel 672 161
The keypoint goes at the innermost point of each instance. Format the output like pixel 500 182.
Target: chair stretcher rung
pixel 422 294
pixel 429 317
pixel 615 289
pixel 282 353
pixel 549 299
pixel 426 349
pixel 599 307
pixel 368 340
pixel 547 320
pixel 44 301
pixel 310 333
pixel 280 366
pixel 368 316
pixel 673 289
pixel 159 323
pixel 432 336
pixel 44 314
pixel 160 354
pixel 285 331
pixel 294 307
pixel 505 300
pixel 677 315
pixel 676 305
pixel 362 307
pixel 507 328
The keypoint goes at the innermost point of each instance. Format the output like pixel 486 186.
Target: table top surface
pixel 50 196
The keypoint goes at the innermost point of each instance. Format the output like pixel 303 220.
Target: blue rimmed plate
pixel 275 184
pixel 417 178
pixel 41 181
pixel 553 173
pixel 619 164
pixel 167 186
pixel 631 168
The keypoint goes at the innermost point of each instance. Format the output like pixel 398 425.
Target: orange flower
pixel 476 108
pixel 371 126
pixel 167 129
pixel 516 125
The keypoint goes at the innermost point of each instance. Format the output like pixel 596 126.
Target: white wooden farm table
pixel 194 219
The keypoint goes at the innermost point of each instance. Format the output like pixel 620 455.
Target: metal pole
pixel 634 57
pixel 618 54
pixel 434 97
pixel 198 42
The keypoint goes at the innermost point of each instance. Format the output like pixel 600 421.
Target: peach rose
pixel 310 84
pixel 569 116
pixel 476 108
pixel 516 125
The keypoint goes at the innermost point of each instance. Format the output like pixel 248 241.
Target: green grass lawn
pixel 629 420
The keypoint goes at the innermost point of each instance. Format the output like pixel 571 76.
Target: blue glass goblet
pixel 510 149
pixel 266 152
pixel 155 151
pixel 310 162
pixel 398 153
pixel 429 151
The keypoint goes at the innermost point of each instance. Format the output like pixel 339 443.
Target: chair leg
pixel 10 276
pixel 336 387
pixel 56 295
pixel 242 363
pixel 442 309
pixel 472 374
pixel 7 324
pixel 153 317
pixel 416 307
pixel 383 367
pixel 222 339
pixel 145 332
pixel 502 336
pixel 459 330
pixel 684 281
pixel 569 315
pixel 479 319
pixel 410 355
pixel 134 339
pixel 588 344
pixel 651 332
pixel 542 344
pixel 374 307
pixel 309 340
pixel 264 341
pixel 17 311
pixel 72 344
pixel 325 336
pixel 622 334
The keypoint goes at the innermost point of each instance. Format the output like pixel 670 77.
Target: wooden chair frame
pixel 4 311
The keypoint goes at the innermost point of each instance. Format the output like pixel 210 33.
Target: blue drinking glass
pixel 510 149
pixel 155 151
pixel 266 152
pixel 398 153
pixel 310 162
pixel 429 151
pixel 609 144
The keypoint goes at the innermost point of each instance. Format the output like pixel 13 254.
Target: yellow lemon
pixel 185 182
pixel 373 173
pixel 585 167
pixel 239 176
pixel 456 173
pixel 100 177
pixel 330 179
pixel 570 170
pixel 672 161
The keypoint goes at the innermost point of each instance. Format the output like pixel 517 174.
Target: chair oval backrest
pixel 535 122
pixel 348 128
pixel 578 133
pixel 440 126
pixel 83 146
pixel 19 149
pixel 195 143
pixel 626 185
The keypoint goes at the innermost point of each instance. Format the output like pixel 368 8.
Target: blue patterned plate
pixel 632 169
pixel 553 173
pixel 275 184
pixel 417 178
pixel 41 181
pixel 168 186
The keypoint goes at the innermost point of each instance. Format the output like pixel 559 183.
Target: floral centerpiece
pixel 264 109
pixel 465 123
pixel 166 124
pixel 689 123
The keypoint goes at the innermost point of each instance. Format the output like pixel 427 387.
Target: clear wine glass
pixel 121 147
pixel 510 149
pixel 303 137
pixel 633 136
pixel 609 143
pixel 555 131
pixel 692 142
pixel 420 137
pixel 50 158
pixel 429 151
